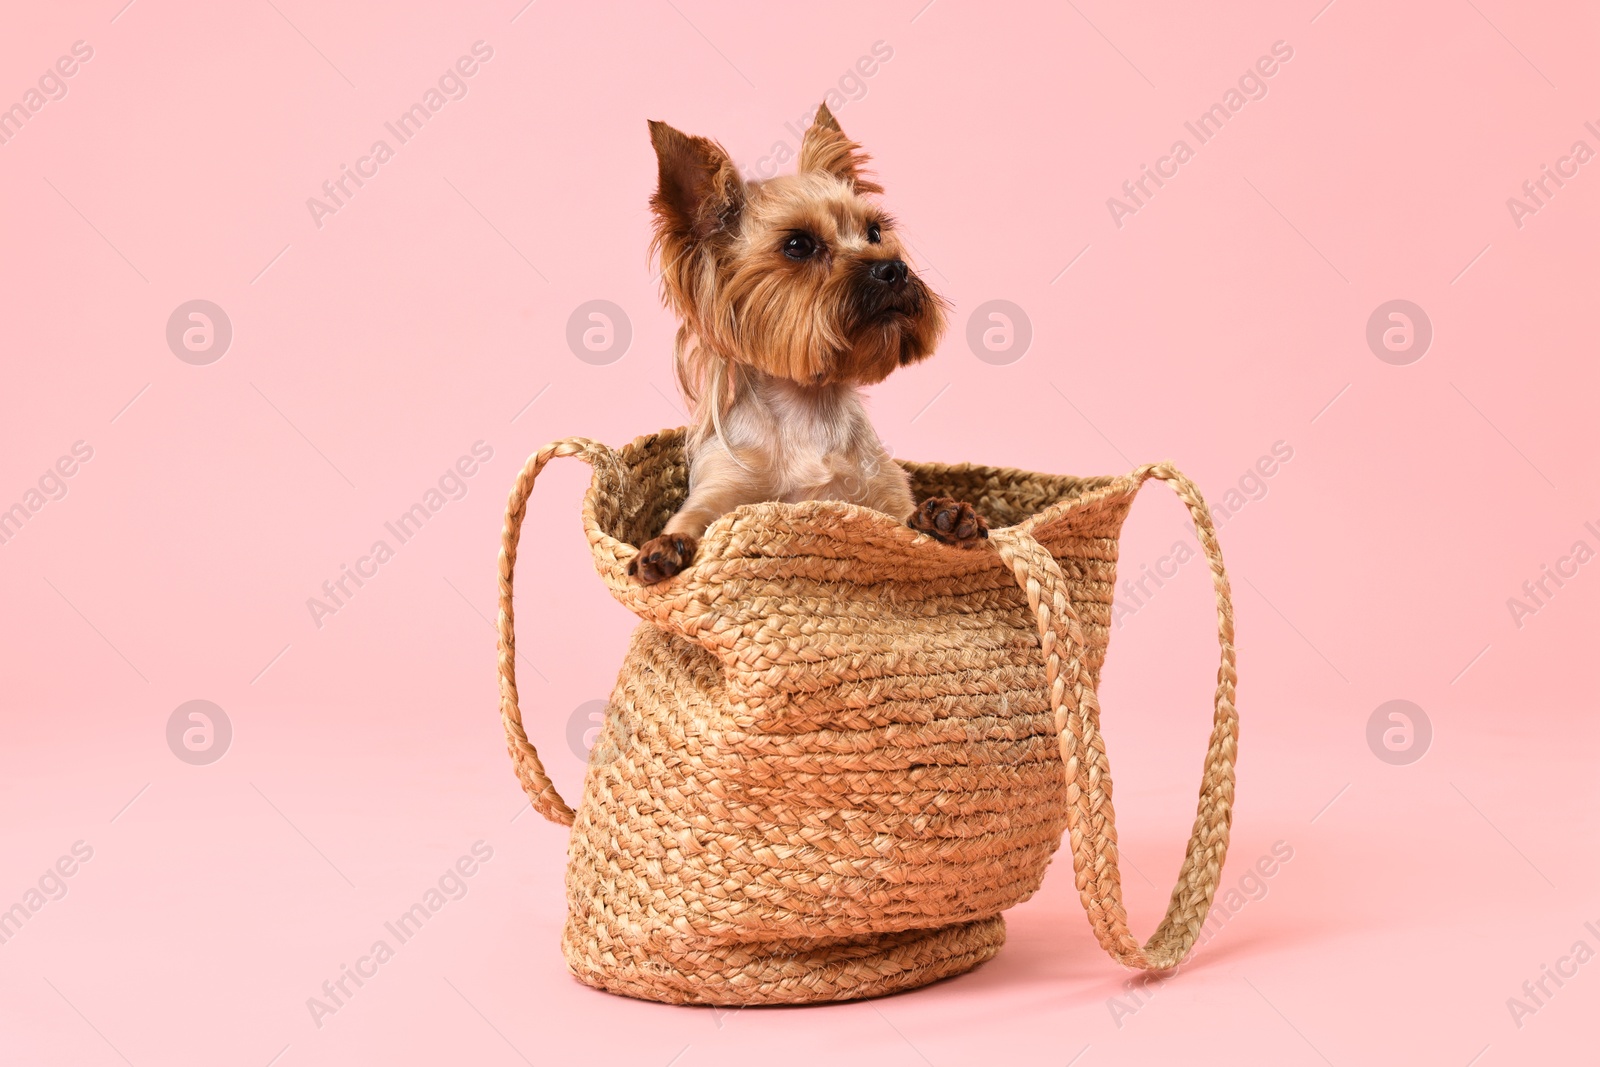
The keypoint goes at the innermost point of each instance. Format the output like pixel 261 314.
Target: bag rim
pixel 853 521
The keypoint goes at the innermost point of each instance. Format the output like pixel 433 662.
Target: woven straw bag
pixel 839 749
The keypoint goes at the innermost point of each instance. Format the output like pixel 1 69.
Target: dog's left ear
pixel 698 193
pixel 826 149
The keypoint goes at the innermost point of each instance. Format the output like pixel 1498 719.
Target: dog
pixel 793 293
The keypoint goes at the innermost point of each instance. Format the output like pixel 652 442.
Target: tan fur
pixel 786 441
pixel 773 349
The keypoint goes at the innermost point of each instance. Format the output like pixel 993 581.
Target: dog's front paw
pixel 661 557
pixel 951 521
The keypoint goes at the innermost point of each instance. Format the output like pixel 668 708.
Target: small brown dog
pixel 793 294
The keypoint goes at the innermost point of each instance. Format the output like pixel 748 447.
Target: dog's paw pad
pixel 662 557
pixel 952 521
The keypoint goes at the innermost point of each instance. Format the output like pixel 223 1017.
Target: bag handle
pixel 1091 822
pixel 524 757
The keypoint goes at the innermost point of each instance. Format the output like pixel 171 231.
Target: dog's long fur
pixel 774 347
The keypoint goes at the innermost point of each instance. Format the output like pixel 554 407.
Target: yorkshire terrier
pixel 793 294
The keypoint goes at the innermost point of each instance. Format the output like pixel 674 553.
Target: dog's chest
pixel 816 476
pixel 825 453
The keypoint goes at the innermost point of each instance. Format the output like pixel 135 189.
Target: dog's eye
pixel 800 246
pixel 874 233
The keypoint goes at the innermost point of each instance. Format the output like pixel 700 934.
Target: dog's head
pixel 801 276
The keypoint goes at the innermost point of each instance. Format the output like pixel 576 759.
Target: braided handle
pixel 1091 822
pixel 524 757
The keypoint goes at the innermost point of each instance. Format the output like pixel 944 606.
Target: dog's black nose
pixel 889 271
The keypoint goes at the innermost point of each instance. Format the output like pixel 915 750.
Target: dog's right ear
pixel 825 148
pixel 698 192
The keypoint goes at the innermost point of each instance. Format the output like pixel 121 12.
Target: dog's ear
pixel 698 192
pixel 825 148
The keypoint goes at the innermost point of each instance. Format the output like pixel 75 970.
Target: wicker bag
pixel 839 749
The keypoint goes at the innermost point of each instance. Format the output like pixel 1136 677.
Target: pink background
pixel 1227 314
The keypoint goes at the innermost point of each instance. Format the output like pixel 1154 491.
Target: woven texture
pixel 838 749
